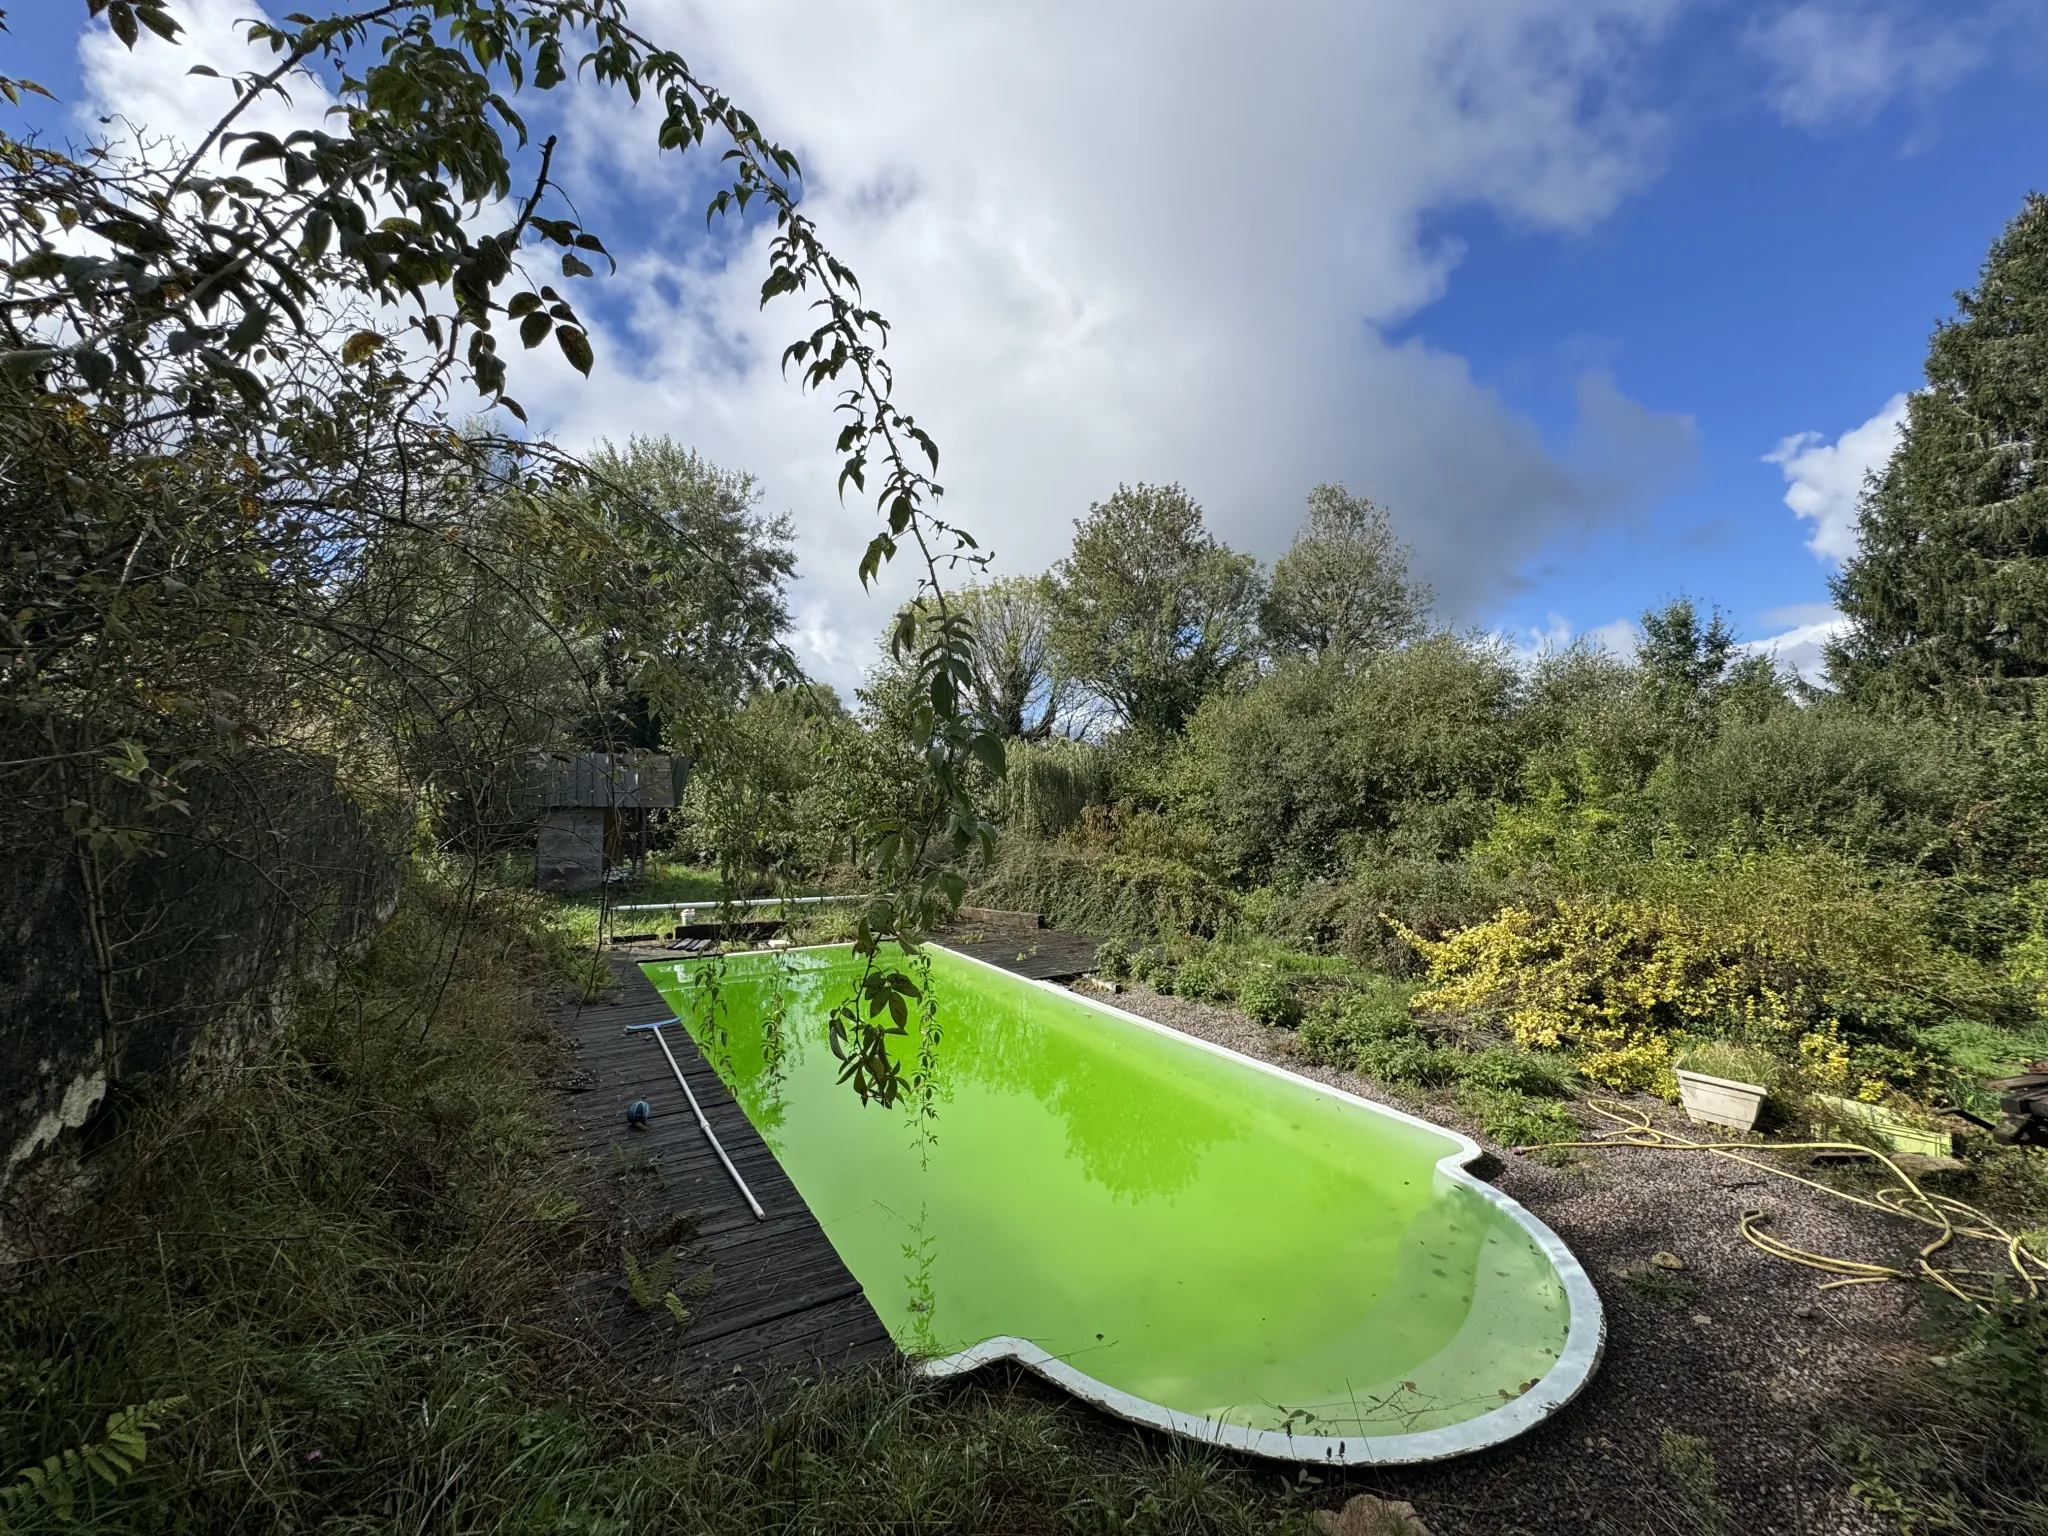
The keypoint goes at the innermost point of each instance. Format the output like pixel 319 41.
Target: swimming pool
pixel 1179 1234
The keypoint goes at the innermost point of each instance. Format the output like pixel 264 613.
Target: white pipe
pixel 707 905
pixel 709 1134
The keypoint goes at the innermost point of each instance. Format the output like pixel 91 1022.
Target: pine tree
pixel 1947 596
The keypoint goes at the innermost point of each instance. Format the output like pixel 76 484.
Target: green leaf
pixel 575 347
pixel 360 346
pixel 159 21
pixel 988 747
pixel 533 330
pixel 574 266
pixel 249 330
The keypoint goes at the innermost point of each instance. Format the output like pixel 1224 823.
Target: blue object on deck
pixel 637 1113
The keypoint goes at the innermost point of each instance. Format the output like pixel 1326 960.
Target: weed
pixel 1204 980
pixel 1959 1442
pixel 1689 1463
pixel 1412 1062
pixel 1517 1120
pixel 60 1482
pixel 590 977
pixel 1376 1012
pixel 1654 1284
pixel 1269 998
pixel 1510 1069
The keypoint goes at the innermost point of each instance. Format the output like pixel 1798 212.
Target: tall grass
pixel 347 1262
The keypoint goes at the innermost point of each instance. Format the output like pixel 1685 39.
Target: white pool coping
pixel 1585 1339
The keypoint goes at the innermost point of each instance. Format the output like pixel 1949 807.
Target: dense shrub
pixel 1269 997
pixel 1077 886
pixel 1351 915
pixel 1284 775
pixel 1509 1069
pixel 1517 1119
pixel 1205 979
pixel 1822 773
pixel 1586 711
pixel 1409 1061
pixel 1113 959
pixel 1377 1012
pixel 1807 956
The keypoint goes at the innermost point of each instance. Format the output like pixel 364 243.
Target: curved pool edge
pixel 1585 1340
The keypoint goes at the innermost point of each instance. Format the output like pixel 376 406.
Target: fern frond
pixel 57 1481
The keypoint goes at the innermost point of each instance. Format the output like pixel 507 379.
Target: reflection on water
pixel 923 1297
pixel 1182 1226
pixel 780 1012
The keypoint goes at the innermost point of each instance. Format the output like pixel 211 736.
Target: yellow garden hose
pixel 1951 1219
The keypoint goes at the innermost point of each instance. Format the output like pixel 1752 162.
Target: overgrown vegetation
pixel 245 524
pixel 325 1293
pixel 1503 886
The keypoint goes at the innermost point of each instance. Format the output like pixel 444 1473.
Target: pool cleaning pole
pixel 709 1134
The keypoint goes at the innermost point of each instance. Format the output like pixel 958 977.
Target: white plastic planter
pixel 1720 1100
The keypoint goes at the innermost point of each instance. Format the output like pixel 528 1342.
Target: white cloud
pixel 1618 637
pixel 1119 243
pixel 1798 647
pixel 1826 479
pixel 152 88
pixel 1835 62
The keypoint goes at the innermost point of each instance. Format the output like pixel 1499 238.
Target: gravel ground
pixel 1748 1359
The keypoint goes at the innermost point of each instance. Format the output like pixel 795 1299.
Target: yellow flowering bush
pixel 1800 955
pixel 1613 980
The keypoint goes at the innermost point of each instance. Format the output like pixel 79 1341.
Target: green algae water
pixel 1175 1232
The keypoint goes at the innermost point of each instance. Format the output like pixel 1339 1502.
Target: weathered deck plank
pixel 775 1299
pixel 1046 954
pixel 771 1297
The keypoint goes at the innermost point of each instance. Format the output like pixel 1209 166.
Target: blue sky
pixel 1777 276
pixel 1550 278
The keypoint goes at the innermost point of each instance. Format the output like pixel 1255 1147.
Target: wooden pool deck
pixel 767 1298
pixel 1044 955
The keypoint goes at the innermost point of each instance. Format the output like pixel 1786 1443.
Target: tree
pixel 1020 690
pixel 1153 614
pixel 1680 657
pixel 1320 759
pixel 724 580
pixel 1947 594
pixel 1690 669
pixel 225 381
pixel 763 802
pixel 1343 587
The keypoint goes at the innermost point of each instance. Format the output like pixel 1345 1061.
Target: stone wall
pixel 116 968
